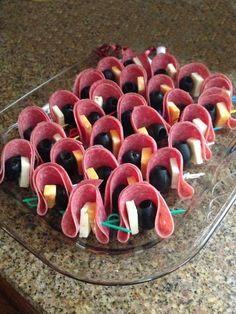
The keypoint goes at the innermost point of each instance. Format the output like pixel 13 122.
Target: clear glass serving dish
pixel 145 257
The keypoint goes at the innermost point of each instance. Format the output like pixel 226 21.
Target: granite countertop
pixel 39 38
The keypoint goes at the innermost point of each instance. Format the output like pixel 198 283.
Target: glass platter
pixel 145 257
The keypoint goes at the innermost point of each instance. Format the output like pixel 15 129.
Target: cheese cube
pixel 59 115
pixel 195 146
pixel 57 137
pixel 174 173
pixel 171 70
pixel 91 210
pixel 165 88
pixel 140 83
pixel 174 112
pixel 86 122
pixel 131 180
pixel 85 226
pixel 49 194
pixel 137 61
pixel 92 174
pixel 132 217
pixel 222 114
pixel 201 125
pixel 116 72
pixel 143 130
pixel 79 159
pixel 116 141
pixel 197 84
pixel 145 157
pixel 98 100
pixel 25 173
pixel 161 49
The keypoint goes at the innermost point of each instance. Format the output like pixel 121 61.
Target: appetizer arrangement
pixel 119 143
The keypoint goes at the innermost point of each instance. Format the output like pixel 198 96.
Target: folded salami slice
pixel 127 55
pixel 89 109
pixel 111 68
pixel 18 148
pixel 113 131
pixel 139 192
pixel 50 131
pixel 165 63
pixel 193 113
pixel 29 118
pixel 128 102
pixel 133 78
pixel 86 193
pixel 121 177
pixel 84 80
pixel 49 174
pixel 175 97
pixel 163 158
pixel 218 80
pixel 220 99
pixel 182 131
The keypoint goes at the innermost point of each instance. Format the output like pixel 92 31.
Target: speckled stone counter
pixel 39 38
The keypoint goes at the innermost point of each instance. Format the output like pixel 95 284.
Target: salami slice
pixel 182 131
pixel 29 118
pixel 84 80
pixel 119 177
pixel 162 158
pixel 113 64
pixel 49 174
pixel 17 147
pixel 142 59
pixel 179 97
pixel 218 80
pixel 195 111
pixel 127 54
pixel 82 194
pixel 162 60
pixel 138 192
pixel 85 107
pixel 128 102
pixel 111 126
pixel 45 130
pixel 216 95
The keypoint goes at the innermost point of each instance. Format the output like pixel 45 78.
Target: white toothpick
pixel 189 175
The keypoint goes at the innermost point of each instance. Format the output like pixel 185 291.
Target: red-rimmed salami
pixel 84 80
pixel 127 54
pixel 28 118
pixel 139 192
pixel 49 174
pixel 182 131
pixel 166 62
pixel 113 128
pixel 162 158
pixel 82 194
pixel 114 67
pixel 195 111
pixel 120 177
pixel 128 102
pixel 85 107
pixel 17 147
pixel 218 80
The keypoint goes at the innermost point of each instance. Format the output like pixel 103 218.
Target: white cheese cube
pixel 59 114
pixel 197 84
pixel 174 173
pixel 132 217
pixel 137 61
pixel 25 173
pixel 195 146
pixel 171 70
pixel 98 100
pixel 57 137
pixel 85 226
pixel 201 125
pixel 161 49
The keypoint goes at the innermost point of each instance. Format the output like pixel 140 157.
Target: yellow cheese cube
pixel 116 142
pixel 79 158
pixel 91 209
pixel 131 180
pixel 140 83
pixel 222 115
pixel 145 156
pixel 137 61
pixel 49 194
pixel 86 122
pixel 116 72
pixel 143 130
pixel 164 88
pixel 92 174
pixel 174 112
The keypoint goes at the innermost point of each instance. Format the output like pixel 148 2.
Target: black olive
pixel 146 214
pixel 126 123
pixel 67 110
pixel 133 157
pixel 110 105
pixel 130 87
pixel 85 92
pixel 61 198
pixel 156 100
pixel 128 62
pixel 103 173
pixel 181 107
pixel 157 131
pixel 93 117
pixel 115 197
pixel 109 75
pixel 212 111
pixel 160 71
pixel 67 161
pixel 185 150
pixel 27 133
pixel 13 168
pixel 44 148
pixel 186 83
pixel 104 139
pixel 160 179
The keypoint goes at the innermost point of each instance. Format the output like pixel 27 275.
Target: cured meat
pixel 218 80
pixel 190 68
pixel 119 177
pixel 182 131
pixel 128 102
pixel 162 158
pixel 85 107
pixel 143 60
pixel 83 193
pixel 49 174
pixel 17 147
pixel 164 224
pixel 161 61
pixel 29 117
pixel 105 125
pixel 85 79
pixel 195 111
pixel 127 54
pixel 109 63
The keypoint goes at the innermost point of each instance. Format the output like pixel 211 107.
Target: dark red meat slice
pixel 106 89
pixel 128 102
pixel 107 63
pixel 155 83
pixel 161 60
pixel 218 80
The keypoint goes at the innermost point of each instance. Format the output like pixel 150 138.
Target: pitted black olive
pixel 44 148
pixel 130 87
pixel 13 168
pixel 186 83
pixel 185 150
pixel 146 214
pixel 160 179
pixel 133 157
